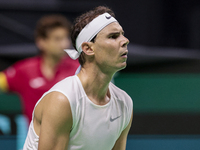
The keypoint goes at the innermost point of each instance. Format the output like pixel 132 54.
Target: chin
pixel 122 66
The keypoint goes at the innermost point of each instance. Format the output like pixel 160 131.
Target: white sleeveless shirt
pixel 94 127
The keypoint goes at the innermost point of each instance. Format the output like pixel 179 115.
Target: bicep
pixel 3 82
pixel 120 144
pixel 55 124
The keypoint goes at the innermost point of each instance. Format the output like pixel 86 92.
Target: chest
pixel 98 126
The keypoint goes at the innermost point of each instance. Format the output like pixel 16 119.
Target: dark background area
pixel 167 30
pixel 165 23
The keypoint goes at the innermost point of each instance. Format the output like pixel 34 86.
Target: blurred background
pixel 162 75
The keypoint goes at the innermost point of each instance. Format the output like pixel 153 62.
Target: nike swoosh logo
pixel 113 119
pixel 108 17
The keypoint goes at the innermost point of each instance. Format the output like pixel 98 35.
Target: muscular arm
pixel 56 122
pixel 3 82
pixel 121 142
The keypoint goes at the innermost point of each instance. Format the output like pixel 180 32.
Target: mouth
pixel 124 54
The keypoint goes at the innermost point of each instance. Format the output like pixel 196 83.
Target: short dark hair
pixel 82 21
pixel 49 22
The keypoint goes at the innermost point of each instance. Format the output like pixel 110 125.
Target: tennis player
pixel 32 77
pixel 86 111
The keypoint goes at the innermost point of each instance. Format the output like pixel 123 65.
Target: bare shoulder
pixel 55 121
pixel 57 103
pixel 55 98
pixel 54 108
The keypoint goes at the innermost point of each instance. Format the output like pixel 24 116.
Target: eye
pixel 114 36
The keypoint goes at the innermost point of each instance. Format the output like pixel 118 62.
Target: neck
pixel 48 66
pixel 95 84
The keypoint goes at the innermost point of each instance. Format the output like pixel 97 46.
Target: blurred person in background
pixel 32 77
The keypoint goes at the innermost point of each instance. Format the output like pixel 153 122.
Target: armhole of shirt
pixel 129 111
pixel 56 90
pixel 70 103
pixel 129 105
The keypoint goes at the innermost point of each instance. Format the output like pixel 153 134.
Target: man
pixel 86 111
pixel 32 77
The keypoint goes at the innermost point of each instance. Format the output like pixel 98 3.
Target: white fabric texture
pixel 94 127
pixel 78 70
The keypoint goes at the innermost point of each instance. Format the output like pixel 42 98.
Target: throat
pixel 48 73
pixel 96 86
pixel 98 93
pixel 48 70
pixel 49 66
pixel 99 101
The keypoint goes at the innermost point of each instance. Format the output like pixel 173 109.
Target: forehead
pixel 57 32
pixel 113 27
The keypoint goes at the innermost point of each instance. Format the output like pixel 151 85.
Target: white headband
pixel 89 32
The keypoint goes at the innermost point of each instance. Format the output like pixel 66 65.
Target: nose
pixel 125 42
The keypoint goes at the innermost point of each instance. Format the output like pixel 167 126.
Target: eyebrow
pixel 112 33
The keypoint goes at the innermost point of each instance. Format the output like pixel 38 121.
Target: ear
pixel 87 48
